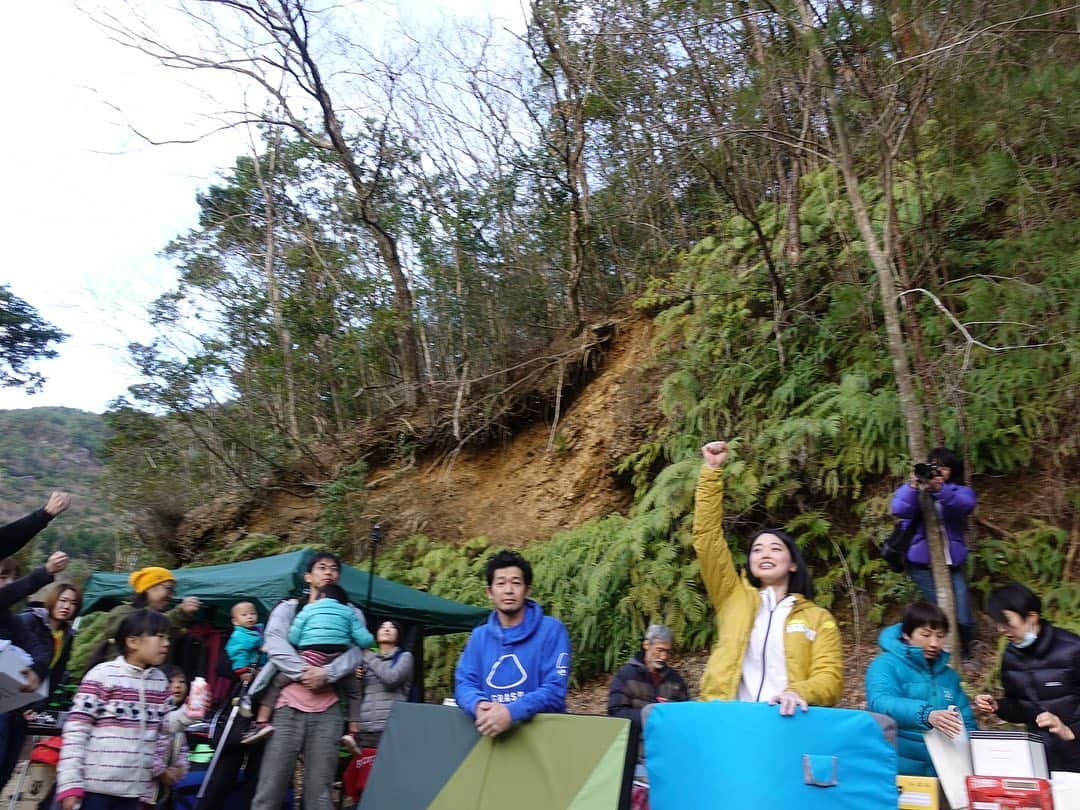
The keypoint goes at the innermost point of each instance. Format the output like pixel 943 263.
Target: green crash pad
pixel 432 757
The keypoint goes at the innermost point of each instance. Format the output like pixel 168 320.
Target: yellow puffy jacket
pixel 812 648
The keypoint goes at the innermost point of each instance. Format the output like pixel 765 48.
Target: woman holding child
pixel 773 644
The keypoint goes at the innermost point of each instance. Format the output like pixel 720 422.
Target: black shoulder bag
pixel 895 547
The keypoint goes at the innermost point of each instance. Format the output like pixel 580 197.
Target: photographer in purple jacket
pixel 943 476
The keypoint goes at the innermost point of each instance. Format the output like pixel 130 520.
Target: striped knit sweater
pixel 112 730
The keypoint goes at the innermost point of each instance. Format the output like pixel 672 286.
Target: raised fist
pixel 57 503
pixel 714 454
pixel 57 562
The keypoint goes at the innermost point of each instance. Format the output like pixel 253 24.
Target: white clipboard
pixel 952 761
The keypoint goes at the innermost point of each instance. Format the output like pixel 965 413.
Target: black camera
pixel 924 471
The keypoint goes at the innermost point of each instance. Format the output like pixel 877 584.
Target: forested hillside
pixel 846 231
pixel 45 449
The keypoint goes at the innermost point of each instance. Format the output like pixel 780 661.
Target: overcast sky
pixel 87 204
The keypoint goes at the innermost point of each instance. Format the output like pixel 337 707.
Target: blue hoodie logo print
pixel 506 673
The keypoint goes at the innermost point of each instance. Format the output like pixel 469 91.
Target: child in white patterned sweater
pixel 170 763
pixel 121 709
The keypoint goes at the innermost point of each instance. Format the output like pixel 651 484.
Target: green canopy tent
pixel 268 580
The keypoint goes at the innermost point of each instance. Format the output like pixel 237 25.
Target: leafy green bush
pixel 342 504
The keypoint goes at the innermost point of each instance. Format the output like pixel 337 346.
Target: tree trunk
pixel 882 264
pixel 273 289
pixel 385 241
pixel 568 142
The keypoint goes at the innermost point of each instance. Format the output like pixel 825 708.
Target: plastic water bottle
pixel 198 698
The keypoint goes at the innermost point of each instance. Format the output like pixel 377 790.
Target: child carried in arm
pixel 321 631
pixel 244 646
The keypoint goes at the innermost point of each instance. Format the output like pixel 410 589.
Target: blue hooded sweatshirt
pixel 901 683
pixel 526 667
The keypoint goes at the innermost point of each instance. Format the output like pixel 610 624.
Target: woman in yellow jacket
pixel 773 643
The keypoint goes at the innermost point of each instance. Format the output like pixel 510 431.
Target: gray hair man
pixel 646 679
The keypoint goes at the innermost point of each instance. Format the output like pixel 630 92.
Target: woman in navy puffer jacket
pixel 912 682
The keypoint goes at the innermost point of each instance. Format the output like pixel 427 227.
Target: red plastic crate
pixel 1008 793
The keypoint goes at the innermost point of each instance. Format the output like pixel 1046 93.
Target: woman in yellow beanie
pixel 153 588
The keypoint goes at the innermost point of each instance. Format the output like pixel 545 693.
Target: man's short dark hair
pixel 323 555
pixel 335 592
pixel 923 614
pixel 508 559
pixel 1015 597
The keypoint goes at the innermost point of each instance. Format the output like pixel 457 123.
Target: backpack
pixel 895 547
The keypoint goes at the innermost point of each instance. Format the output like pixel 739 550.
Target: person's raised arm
pixel 717 568
pixel 18 533
pixel 35 580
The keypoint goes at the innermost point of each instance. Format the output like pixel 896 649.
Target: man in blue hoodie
pixel 518 663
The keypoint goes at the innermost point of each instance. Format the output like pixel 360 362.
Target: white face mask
pixel 1029 639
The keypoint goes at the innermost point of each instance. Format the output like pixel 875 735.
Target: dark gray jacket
pixel 386 680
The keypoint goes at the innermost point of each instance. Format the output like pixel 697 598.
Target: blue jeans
pixel 924 580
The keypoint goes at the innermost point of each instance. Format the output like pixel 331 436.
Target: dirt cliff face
pixel 541 480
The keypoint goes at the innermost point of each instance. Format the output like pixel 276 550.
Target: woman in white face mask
pixel 1040 675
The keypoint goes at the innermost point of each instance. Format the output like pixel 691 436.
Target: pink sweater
pixel 112 731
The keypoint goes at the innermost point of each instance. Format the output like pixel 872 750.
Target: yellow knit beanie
pixel 146 578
